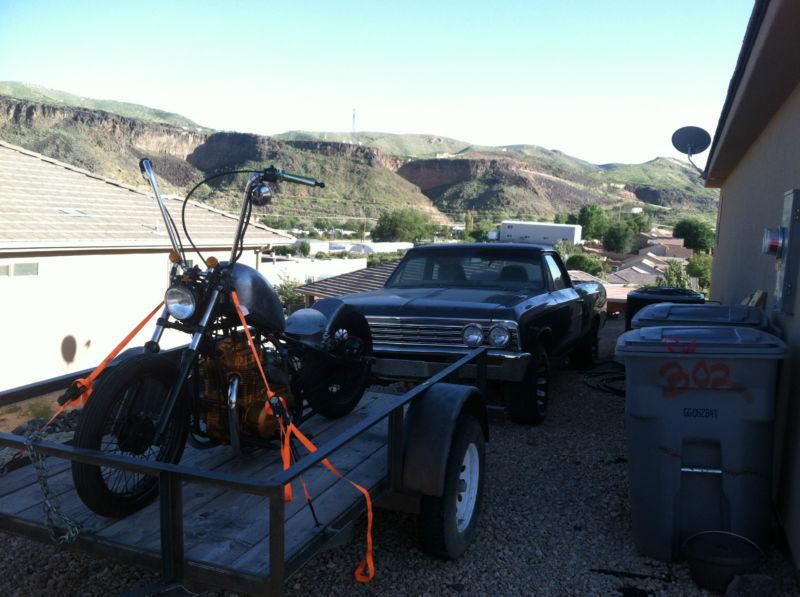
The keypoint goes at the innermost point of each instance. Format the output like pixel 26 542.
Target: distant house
pixel 370 278
pixel 84 258
pixel 668 250
pixel 755 160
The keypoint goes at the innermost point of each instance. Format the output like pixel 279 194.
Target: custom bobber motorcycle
pixel 148 406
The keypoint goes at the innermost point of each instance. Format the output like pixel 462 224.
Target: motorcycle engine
pixel 232 356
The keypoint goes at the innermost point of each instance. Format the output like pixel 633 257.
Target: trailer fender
pixel 429 426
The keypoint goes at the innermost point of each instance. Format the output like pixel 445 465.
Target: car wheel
pixel 585 355
pixel 527 400
pixel 448 523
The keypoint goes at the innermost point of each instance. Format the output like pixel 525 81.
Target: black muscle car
pixel 517 299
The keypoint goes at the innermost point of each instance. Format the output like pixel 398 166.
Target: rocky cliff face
pixel 150 137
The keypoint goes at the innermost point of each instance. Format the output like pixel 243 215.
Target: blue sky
pixel 602 80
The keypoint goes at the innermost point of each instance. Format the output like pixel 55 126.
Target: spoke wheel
pixel 120 419
pixel 333 383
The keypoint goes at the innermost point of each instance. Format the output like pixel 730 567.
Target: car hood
pixel 439 302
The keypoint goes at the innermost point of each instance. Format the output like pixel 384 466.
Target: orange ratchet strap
pixel 365 571
pixel 286 456
pixel 85 385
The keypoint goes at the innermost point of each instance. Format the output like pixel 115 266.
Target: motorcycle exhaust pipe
pixel 233 414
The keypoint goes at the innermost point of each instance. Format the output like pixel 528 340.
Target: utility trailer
pixel 221 522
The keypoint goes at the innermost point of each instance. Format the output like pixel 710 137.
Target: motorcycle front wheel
pixel 120 418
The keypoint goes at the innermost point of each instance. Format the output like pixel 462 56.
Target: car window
pixel 478 269
pixel 555 273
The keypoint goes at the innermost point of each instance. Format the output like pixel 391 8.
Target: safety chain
pixel 51 508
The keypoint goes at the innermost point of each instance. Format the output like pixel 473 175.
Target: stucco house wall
pixel 751 200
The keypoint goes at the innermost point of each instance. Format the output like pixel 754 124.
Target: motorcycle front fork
pixel 187 363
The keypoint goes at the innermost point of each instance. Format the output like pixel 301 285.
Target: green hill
pixel 366 173
pixel 35 93
pixel 388 143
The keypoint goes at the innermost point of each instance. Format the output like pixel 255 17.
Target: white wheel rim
pixel 467 493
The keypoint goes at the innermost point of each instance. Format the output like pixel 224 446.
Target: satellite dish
pixel 691 140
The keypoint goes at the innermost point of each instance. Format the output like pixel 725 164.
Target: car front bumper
pixel 396 362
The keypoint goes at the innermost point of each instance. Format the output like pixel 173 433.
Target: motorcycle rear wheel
pixel 333 388
pixel 120 418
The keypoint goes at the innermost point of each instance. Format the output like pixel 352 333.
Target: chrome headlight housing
pixel 180 302
pixel 472 335
pixel 499 336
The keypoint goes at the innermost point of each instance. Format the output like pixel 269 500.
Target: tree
pixel 593 220
pixel 469 221
pixel 699 267
pixel 288 292
pixel 618 237
pixel 565 249
pixel 591 264
pixel 304 248
pixel 696 234
pixel 405 224
pixel 480 230
pixel 674 276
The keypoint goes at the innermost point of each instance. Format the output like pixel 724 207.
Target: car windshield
pixel 478 268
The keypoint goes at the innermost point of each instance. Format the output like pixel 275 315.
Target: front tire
pixel 527 401
pixel 120 418
pixel 448 523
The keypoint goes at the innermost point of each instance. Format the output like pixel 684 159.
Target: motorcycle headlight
pixel 472 335
pixel 180 302
pixel 499 336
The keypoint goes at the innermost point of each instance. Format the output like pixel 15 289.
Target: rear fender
pixel 429 426
pixel 313 326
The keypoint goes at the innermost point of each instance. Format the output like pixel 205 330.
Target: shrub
pixel 304 248
pixel 591 264
pixel 405 224
pixel 674 276
pixel 699 267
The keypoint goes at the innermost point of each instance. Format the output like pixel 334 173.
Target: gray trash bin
pixel 699 410
pixel 672 314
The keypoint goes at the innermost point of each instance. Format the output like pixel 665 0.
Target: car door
pixel 568 305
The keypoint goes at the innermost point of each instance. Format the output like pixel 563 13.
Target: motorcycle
pixel 247 368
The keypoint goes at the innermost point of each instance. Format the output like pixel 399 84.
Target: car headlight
pixel 180 302
pixel 499 336
pixel 472 335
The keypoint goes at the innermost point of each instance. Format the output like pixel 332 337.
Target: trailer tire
pixel 448 523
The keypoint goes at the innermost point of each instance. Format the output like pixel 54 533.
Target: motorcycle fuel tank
pixel 261 305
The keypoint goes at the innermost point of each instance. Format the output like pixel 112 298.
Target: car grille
pixel 412 331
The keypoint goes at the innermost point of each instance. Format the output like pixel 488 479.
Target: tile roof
pixel 361 280
pixel 49 205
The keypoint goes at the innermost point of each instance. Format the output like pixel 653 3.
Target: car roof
pixel 496 245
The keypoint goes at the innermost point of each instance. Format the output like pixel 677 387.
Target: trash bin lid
pixel 689 340
pixel 663 293
pixel 660 314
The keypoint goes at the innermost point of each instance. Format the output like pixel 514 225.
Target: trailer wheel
pixel 448 523
pixel 527 400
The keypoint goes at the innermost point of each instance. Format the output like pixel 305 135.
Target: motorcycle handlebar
pixel 272 174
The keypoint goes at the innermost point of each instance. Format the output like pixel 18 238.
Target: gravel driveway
pixel 556 521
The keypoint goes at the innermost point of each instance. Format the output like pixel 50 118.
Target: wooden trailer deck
pixel 226 532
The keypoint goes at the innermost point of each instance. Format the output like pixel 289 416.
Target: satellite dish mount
pixel 691 140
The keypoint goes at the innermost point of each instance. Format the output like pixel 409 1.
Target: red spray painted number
pixel 703 375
